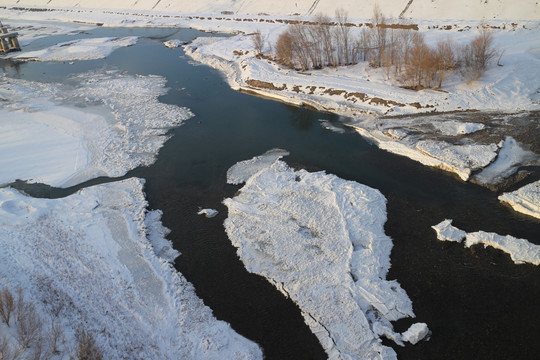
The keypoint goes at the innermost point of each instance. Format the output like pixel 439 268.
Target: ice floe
pixel 320 240
pixel 209 213
pixel 525 200
pixel 81 49
pixel 240 172
pixel 98 258
pixel 62 135
pixel 520 250
pixel 173 44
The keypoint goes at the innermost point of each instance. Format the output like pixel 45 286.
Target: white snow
pixel 431 9
pixel 320 240
pixel 81 49
pixel 510 157
pixel 525 200
pixel 462 159
pixel 454 128
pixel 61 135
pixel 521 251
pixel 173 44
pixel 89 255
pixel 209 213
pixel 32 30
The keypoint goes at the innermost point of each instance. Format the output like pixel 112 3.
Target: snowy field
pixel 110 272
pixel 320 240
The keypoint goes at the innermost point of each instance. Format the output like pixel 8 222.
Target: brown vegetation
pixel 399 49
pixel 31 339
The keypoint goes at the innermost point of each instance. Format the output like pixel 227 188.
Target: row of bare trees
pixel 399 49
pixel 34 339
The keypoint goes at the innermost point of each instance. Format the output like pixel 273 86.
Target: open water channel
pixel 477 302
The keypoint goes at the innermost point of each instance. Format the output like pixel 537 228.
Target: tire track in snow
pixel 405 10
pixel 314 6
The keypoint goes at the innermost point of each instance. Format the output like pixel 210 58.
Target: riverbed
pixel 477 302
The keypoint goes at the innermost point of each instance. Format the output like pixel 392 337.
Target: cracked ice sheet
pixel 520 250
pixel 81 49
pixel 320 240
pixel 62 135
pixel 525 200
pixel 105 258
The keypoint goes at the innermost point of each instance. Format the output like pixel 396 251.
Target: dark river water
pixel 477 302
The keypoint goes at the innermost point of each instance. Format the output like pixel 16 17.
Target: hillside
pixel 420 9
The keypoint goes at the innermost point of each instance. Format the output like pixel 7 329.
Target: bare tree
pixel 28 326
pixel 7 305
pixel 87 348
pixel 420 64
pixel 476 56
pixel 284 49
pixel 379 31
pixel 343 39
pixel 323 34
pixel 258 42
pixel 445 58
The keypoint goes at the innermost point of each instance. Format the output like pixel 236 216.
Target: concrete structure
pixel 8 41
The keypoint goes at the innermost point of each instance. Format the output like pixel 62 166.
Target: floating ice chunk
pixel 329 126
pixel 82 49
pixel 240 172
pixel 173 44
pixel 93 252
pixel 454 128
pixel 447 232
pixel 520 250
pixel 525 200
pixel 510 157
pixel 415 333
pixel 320 240
pixel 209 213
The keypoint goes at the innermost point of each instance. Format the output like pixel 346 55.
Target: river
pixel 477 302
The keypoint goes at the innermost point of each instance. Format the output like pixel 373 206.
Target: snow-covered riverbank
pixel 101 260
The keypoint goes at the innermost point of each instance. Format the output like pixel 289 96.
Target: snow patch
pixel 525 200
pixel 320 240
pixel 454 128
pixel 521 251
pixel 510 157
